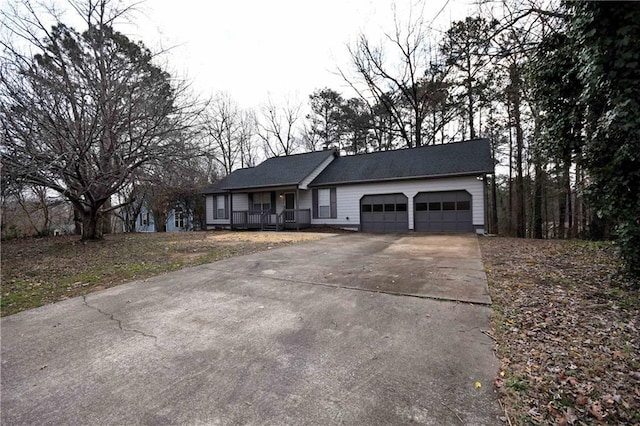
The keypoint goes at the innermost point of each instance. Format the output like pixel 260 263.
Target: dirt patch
pixel 566 326
pixel 266 237
pixel 38 271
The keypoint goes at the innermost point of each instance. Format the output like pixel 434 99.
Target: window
pixel 220 207
pixel 463 205
pixel 389 207
pixel 401 207
pixel 324 203
pixel 178 218
pixel 421 207
pixel 261 201
pixel 144 219
pixel 448 205
pixel 377 207
pixel 435 206
pixel 366 208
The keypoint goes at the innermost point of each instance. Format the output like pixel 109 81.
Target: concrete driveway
pixel 316 333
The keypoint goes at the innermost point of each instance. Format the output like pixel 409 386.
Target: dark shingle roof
pixel 277 171
pixel 453 159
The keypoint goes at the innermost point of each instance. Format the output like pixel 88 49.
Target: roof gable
pixel 453 159
pixel 277 171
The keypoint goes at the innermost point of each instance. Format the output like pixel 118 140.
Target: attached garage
pixel 384 213
pixel 448 211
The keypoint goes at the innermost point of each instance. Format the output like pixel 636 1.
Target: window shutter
pixel 214 206
pixel 314 200
pixel 226 206
pixel 333 203
pixel 273 202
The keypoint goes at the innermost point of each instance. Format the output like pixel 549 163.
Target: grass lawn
pixel 37 271
pixel 566 326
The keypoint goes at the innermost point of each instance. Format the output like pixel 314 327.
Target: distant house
pixel 438 188
pixel 177 220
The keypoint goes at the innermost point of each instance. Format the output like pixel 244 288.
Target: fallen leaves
pixel 566 331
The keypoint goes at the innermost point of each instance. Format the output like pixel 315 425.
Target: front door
pixel 289 206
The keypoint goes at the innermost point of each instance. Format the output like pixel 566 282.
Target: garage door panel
pixel 449 226
pixel 448 211
pixel 384 213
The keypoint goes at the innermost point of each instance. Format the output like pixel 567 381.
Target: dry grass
pixel 38 271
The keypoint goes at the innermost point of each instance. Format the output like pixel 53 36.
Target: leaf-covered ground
pixel 566 326
pixel 37 271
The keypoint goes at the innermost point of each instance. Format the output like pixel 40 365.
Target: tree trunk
pixel 91 229
pixel 494 209
pixel 564 200
pixel 105 219
pixel 546 210
pixel 42 198
pixel 537 199
pixel 567 188
pixel 510 194
pixel 23 204
pixel 160 220
pixel 77 221
pixel 520 195
pixel 472 132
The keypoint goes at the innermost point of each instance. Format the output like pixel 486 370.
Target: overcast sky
pixel 254 48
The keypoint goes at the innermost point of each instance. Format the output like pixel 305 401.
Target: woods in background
pixel 91 116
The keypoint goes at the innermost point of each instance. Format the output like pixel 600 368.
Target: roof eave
pixel 279 185
pixel 348 182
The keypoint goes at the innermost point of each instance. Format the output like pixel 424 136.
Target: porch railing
pixel 251 219
pixel 296 218
pixel 263 219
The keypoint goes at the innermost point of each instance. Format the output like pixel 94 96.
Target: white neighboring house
pixel 436 188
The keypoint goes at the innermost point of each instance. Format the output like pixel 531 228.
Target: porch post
pixel 296 214
pixel 231 209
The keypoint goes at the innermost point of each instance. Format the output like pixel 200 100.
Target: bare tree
pixel 229 133
pixel 311 140
pixel 277 128
pixel 131 197
pixel 247 139
pixel 175 185
pixel 401 85
pixel 81 112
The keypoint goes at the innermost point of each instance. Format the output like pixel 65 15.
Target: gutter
pixel 349 182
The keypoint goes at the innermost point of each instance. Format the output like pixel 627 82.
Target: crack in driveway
pixel 348 287
pixel 118 321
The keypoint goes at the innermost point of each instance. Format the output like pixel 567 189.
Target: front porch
pixel 292 219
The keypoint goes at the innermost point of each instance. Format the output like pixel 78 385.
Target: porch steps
pixel 271 227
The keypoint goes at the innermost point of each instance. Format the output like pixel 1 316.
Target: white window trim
pixel 220 207
pixel 178 219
